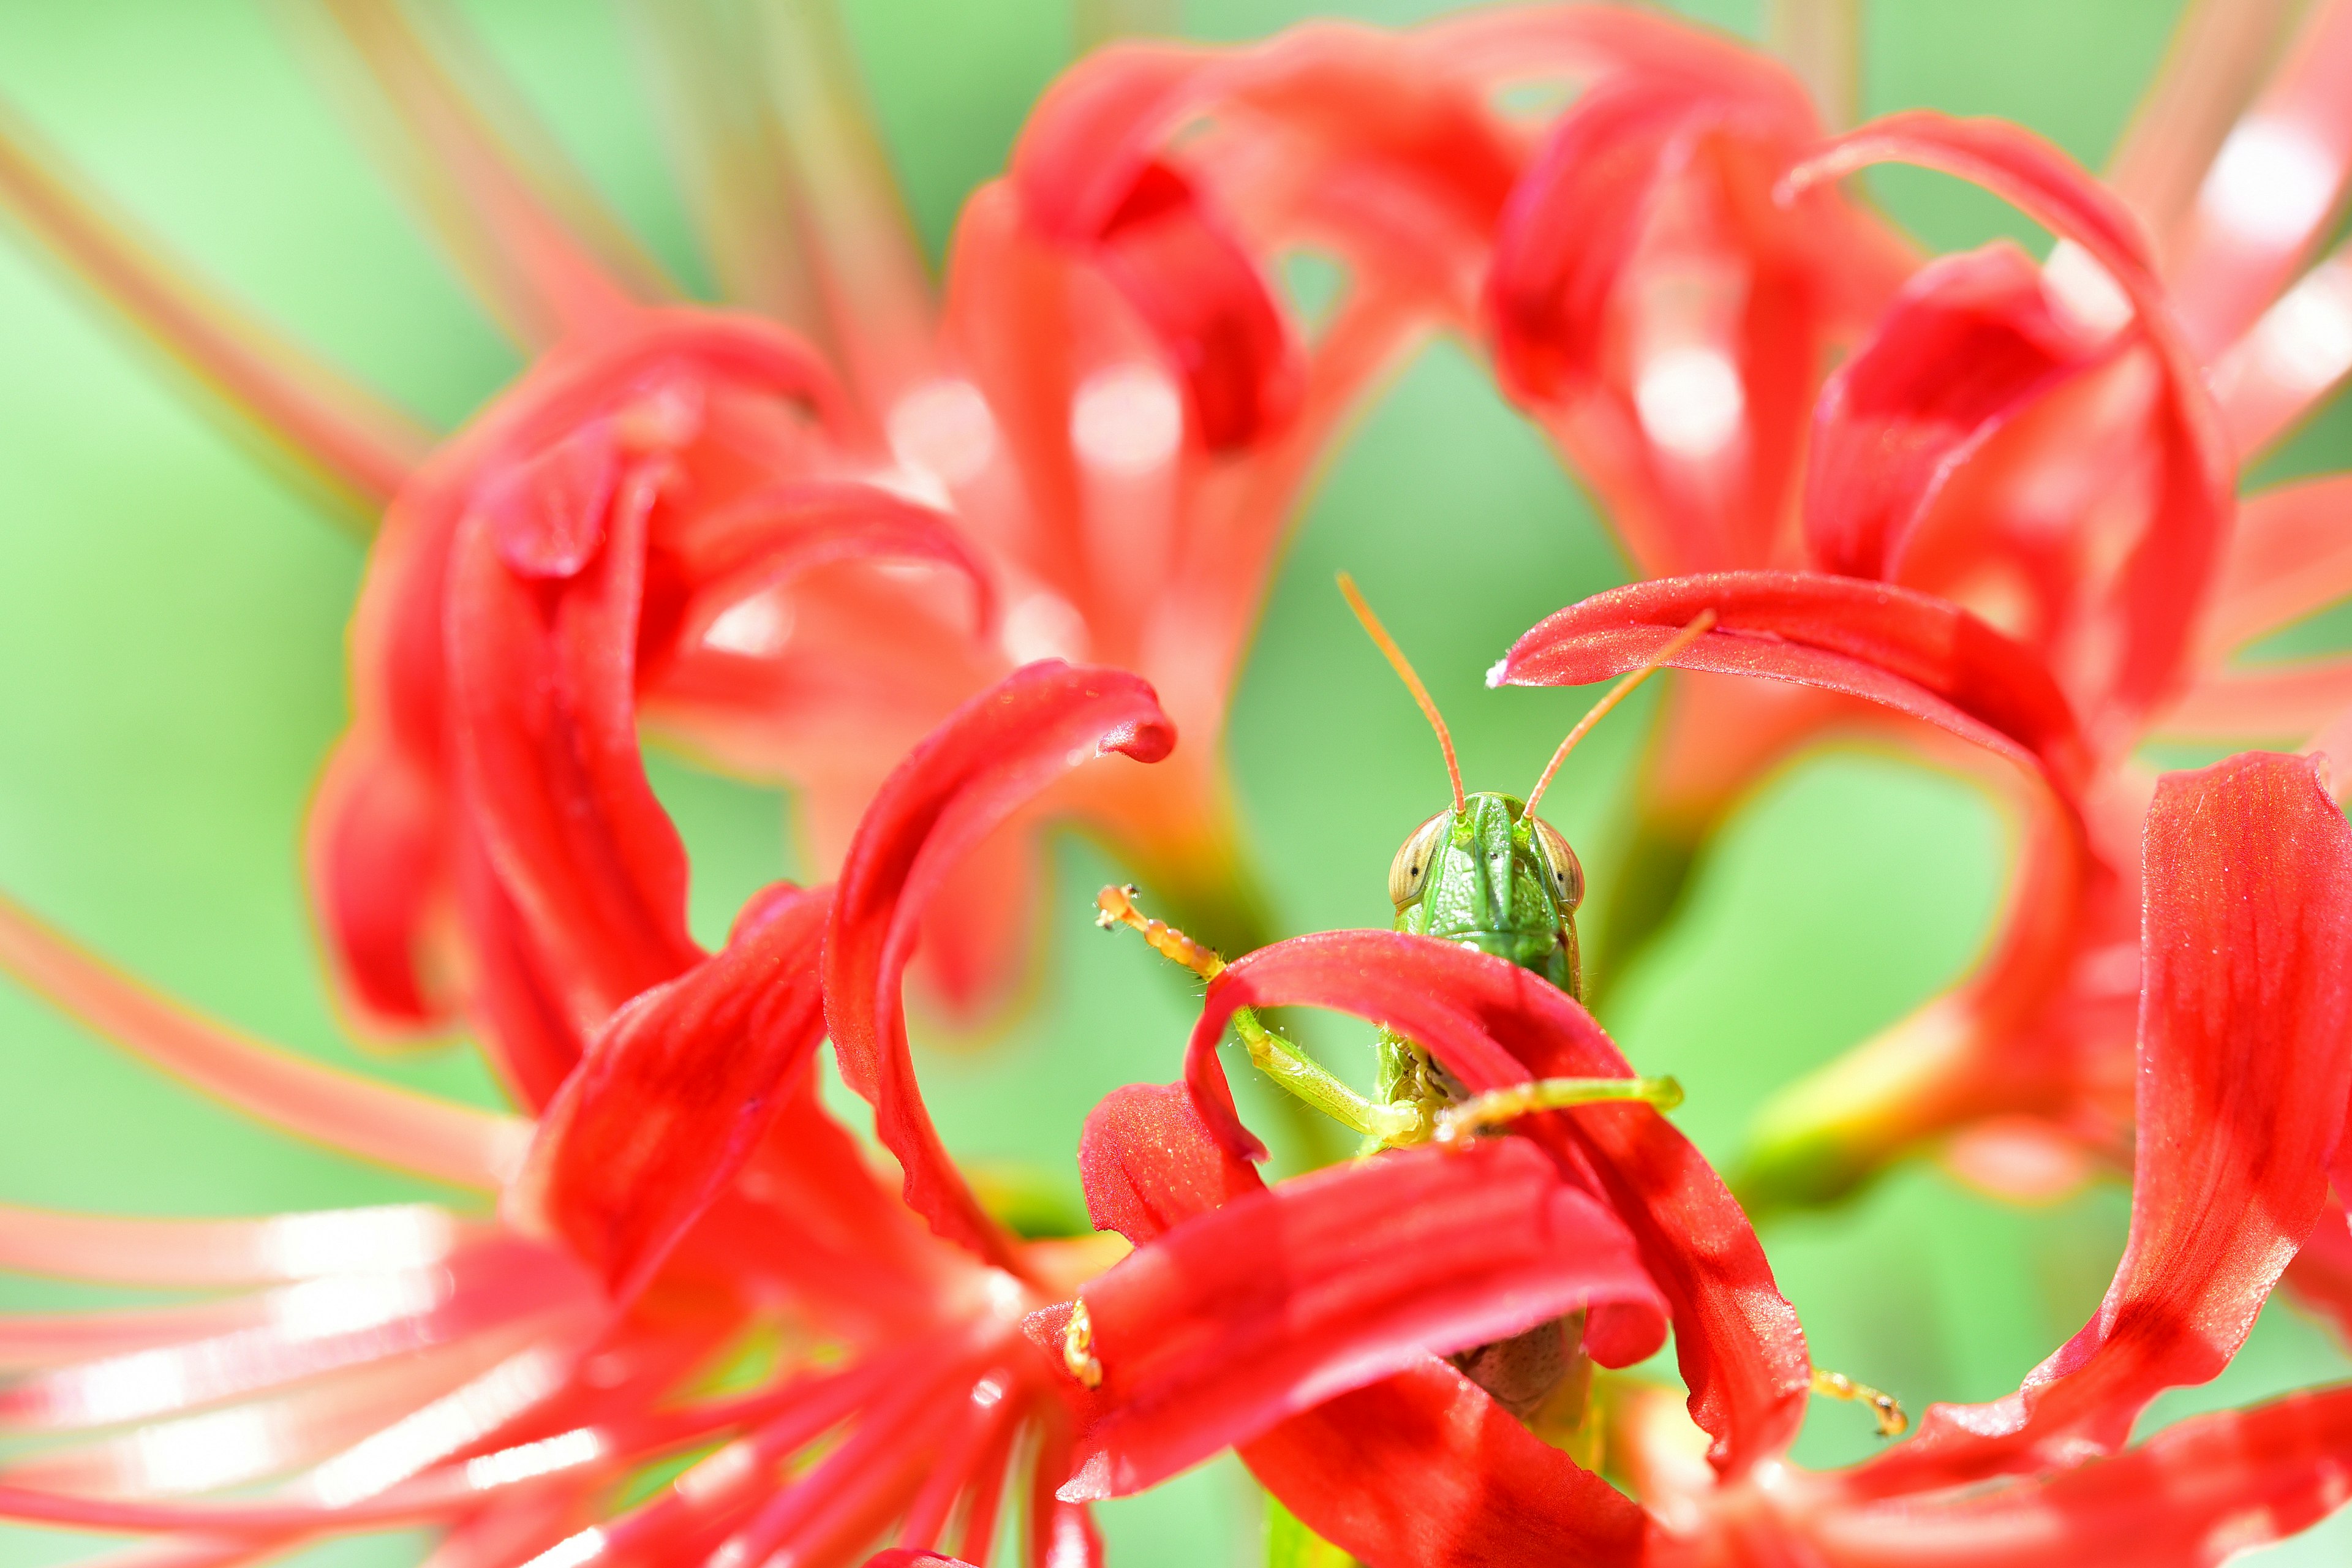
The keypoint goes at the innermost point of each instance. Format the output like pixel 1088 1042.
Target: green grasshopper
pixel 1488 872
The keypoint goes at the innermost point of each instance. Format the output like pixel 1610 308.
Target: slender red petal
pixel 2272 189
pixel 1907 650
pixel 1972 341
pixel 1741 1350
pixel 1422 1471
pixel 2289 557
pixel 190 1252
pixel 2246 996
pixel 676 1091
pixel 1277 1301
pixel 979 767
pixel 543 675
pixel 902 1557
pixel 2194 1495
pixel 2163 580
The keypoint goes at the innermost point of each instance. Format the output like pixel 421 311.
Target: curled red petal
pixel 2246 997
pixel 677 1092
pixel 2162 583
pixel 547 513
pixel 985 762
pixel 1741 1350
pixel 2192 1495
pixel 542 693
pixel 783 530
pixel 1085 174
pixel 1422 1471
pixel 1970 343
pixel 1149 1163
pixel 1277 1301
pixel 1905 650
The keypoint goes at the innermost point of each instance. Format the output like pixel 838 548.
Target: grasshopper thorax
pixel 1493 876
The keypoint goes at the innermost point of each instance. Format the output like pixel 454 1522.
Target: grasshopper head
pixel 1492 877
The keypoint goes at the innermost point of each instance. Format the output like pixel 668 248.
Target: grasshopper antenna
pixel 1379 635
pixel 1616 694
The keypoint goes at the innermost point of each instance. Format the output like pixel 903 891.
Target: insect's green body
pixel 1493 878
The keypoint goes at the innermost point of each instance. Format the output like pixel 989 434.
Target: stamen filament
pixel 1484 1112
pixel 1892 1421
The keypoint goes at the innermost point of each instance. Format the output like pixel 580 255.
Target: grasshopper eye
pixel 1560 863
pixel 1410 869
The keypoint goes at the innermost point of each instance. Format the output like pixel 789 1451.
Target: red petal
pixel 547 512
pixel 2289 557
pixel 1280 1299
pixel 1909 650
pixel 542 688
pixel 677 1092
pixel 2320 1278
pixel 901 1557
pixel 783 530
pixel 1149 1163
pixel 1970 343
pixel 2246 970
pixel 990 757
pixel 1086 175
pixel 2190 1497
pixel 1423 1470
pixel 1741 1350
pixel 2168 571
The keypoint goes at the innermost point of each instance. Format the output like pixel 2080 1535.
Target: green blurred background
pixel 171 674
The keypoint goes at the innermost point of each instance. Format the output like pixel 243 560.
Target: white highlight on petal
pixel 572 1551
pixel 196 1371
pixel 204 1452
pixel 756 627
pixel 398 1236
pixel 580 1445
pixel 988 1391
pixel 2270 182
pixel 944 428
pixel 1129 419
pixel 2304 341
pixel 1690 401
pixel 721 1472
pixel 2086 292
pixel 1495 671
pixel 1042 624
pixel 464 1416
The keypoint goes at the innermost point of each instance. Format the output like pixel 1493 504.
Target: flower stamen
pixel 1892 1421
pixel 1079 1347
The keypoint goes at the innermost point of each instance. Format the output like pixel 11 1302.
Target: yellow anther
pixel 1079 1347
pixel 1892 1421
pixel 1117 908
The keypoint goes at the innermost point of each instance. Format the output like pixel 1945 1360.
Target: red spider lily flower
pixel 2053 445
pixel 683 1195
pixel 2063 470
pixel 2245 1067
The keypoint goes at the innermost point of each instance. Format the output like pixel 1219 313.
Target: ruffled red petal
pixel 1741 1350
pixel 1969 342
pixel 2246 997
pixel 677 1092
pixel 1276 1301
